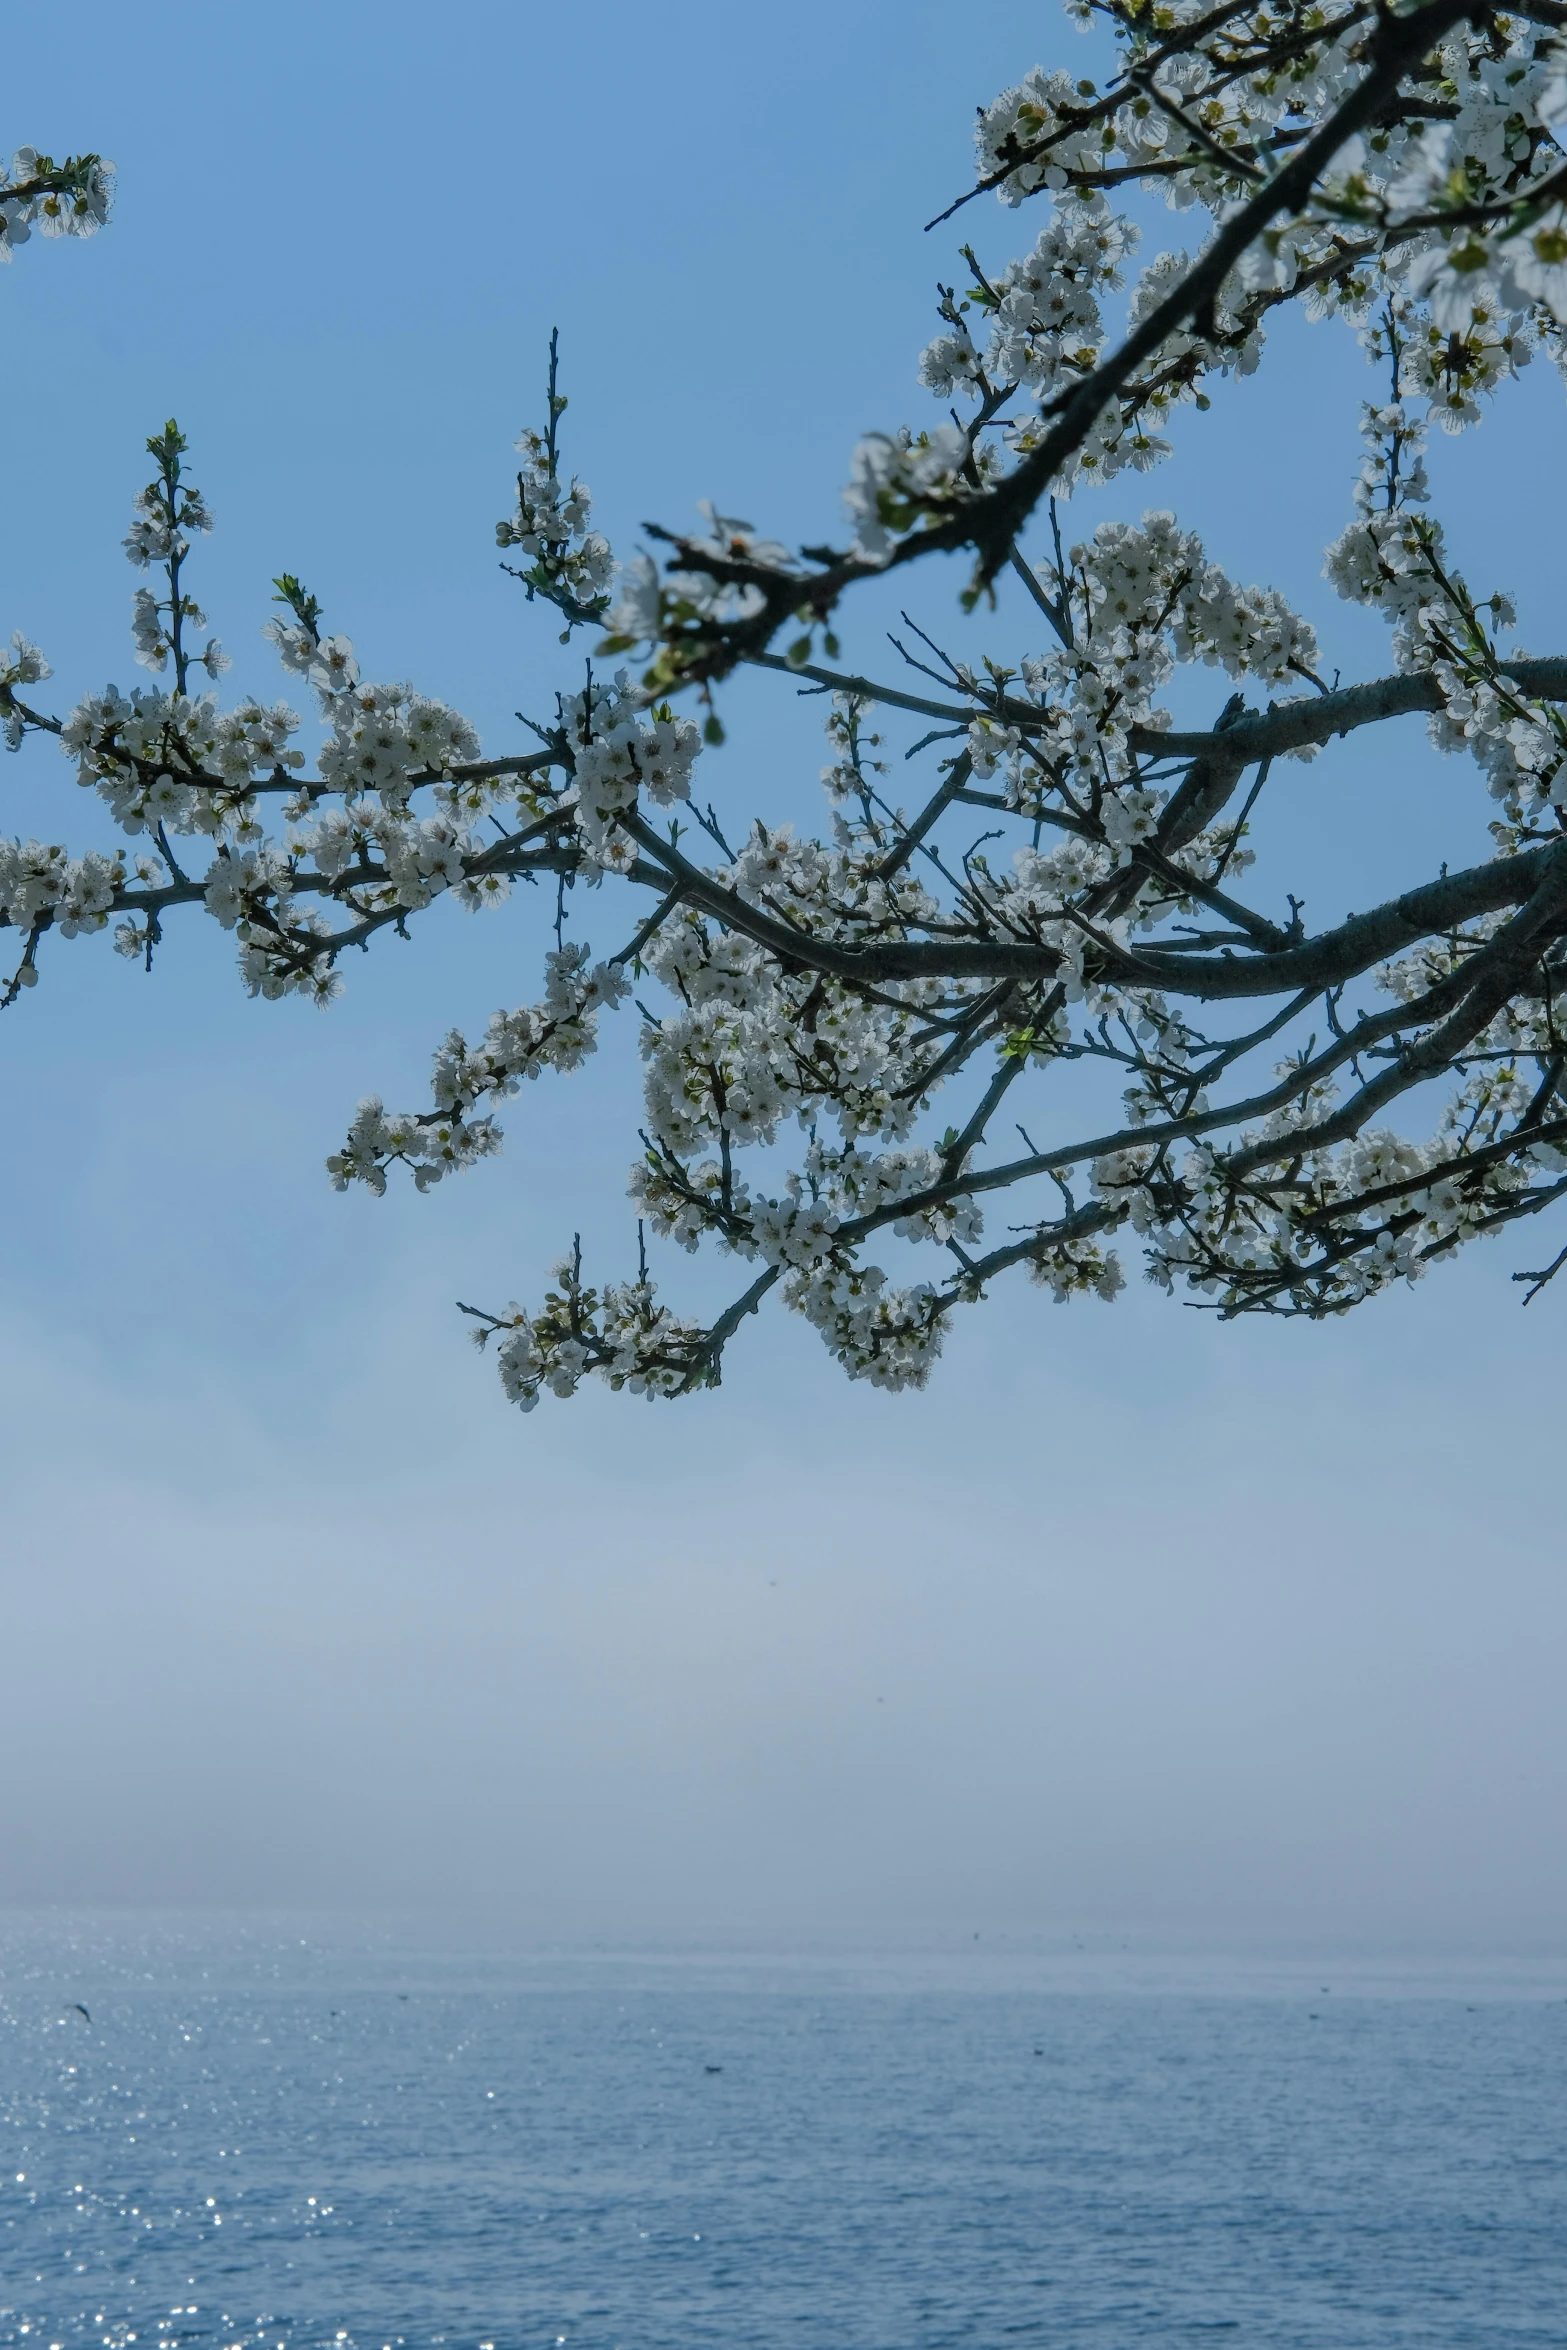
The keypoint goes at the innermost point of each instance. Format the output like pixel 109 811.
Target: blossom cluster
pixel 69 199
pixel 829 1192
pixel 1394 559
pixel 716 581
pixel 20 664
pixel 899 478
pixel 558 1033
pixel 572 564
pixel 41 884
pixel 888 1336
pixel 620 749
pixel 735 1059
pixel 1139 599
pixel 621 1336
pixel 1046 324
pixel 1353 1220
pixel 176 760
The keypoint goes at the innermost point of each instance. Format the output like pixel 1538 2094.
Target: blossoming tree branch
pixel 884 1033
pixel 69 199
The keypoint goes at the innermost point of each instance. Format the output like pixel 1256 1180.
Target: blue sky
pixel 1130 1621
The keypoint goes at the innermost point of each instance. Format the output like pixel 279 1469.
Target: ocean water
pixel 274 2138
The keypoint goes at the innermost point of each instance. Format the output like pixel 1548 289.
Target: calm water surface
pixel 269 2140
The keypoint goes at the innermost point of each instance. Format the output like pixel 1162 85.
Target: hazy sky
pixel 1131 1621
